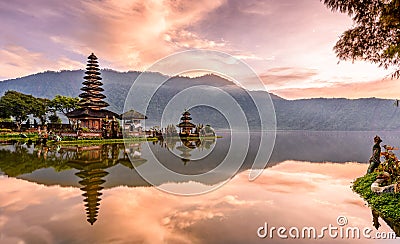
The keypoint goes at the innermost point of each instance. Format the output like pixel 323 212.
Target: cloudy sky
pixel 47 214
pixel 287 42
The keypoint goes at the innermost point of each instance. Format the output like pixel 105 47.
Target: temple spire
pixel 92 96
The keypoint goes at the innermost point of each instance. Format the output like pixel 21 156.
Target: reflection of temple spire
pixel 92 162
pixel 92 180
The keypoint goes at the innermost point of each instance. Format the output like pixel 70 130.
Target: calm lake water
pixel 94 194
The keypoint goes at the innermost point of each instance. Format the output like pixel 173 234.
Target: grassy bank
pixel 79 141
pixel 17 135
pixel 387 204
pixel 103 141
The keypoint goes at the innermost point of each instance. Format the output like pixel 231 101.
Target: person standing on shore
pixel 375 159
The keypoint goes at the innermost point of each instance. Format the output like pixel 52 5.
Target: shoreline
pixel 83 141
pixel 387 205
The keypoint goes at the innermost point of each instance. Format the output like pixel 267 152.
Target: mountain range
pixel 323 114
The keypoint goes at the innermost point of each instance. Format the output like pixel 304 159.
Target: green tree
pixel 64 104
pixel 17 105
pixel 375 35
pixel 54 118
pixel 40 108
pixel 4 114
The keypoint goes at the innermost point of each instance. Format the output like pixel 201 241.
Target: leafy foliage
pixel 375 35
pixel 391 164
pixel 64 105
pixel 55 119
pixel 39 109
pixel 18 105
pixel 387 204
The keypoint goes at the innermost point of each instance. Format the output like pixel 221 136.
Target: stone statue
pixel 375 160
pixel 380 185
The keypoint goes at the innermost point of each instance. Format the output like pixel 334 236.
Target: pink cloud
pixel 125 35
pixel 189 40
pixel 132 34
pixel 291 193
pixel 18 61
pixel 287 76
pixel 385 88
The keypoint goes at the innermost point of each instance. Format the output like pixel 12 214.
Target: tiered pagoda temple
pixel 91 113
pixel 186 127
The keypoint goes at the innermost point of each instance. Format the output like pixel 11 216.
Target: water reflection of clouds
pixel 312 194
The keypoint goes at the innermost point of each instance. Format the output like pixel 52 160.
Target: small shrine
pixel 132 123
pixel 187 128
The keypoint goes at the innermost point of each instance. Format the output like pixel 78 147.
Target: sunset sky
pixel 287 42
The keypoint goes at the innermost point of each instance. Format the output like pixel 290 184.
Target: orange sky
pixel 288 43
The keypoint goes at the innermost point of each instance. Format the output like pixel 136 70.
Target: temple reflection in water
pixel 91 162
pixel 185 146
pixel 298 177
pixel 86 167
